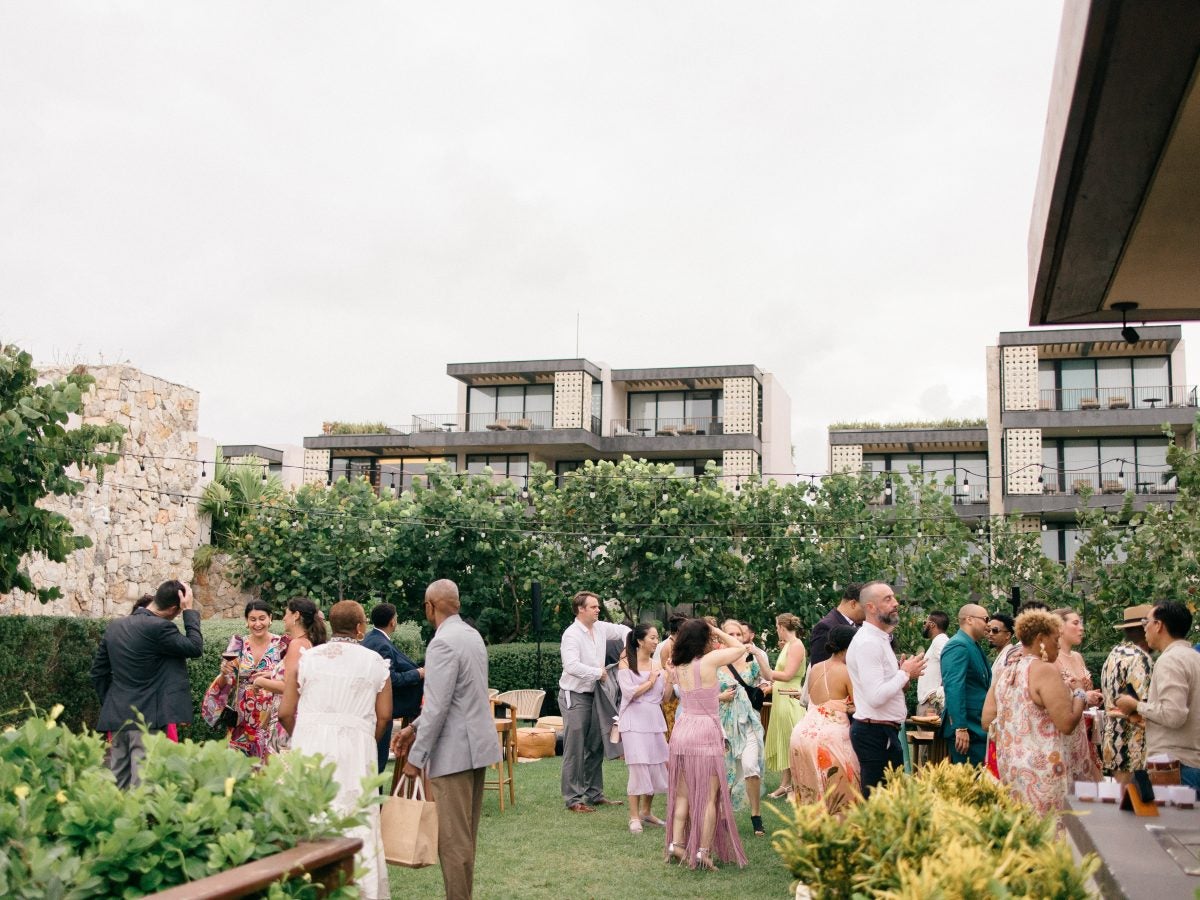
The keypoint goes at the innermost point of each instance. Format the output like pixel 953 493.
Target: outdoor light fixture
pixel 887 488
pixel 1130 334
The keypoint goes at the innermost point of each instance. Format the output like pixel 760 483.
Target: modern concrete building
pixel 562 412
pixel 1116 212
pixel 287 461
pixel 1071 412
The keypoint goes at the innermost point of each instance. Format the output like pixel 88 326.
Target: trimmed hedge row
pixel 48 659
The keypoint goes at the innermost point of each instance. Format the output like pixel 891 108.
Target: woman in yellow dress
pixel 786 710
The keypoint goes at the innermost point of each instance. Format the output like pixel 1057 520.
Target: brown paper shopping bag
pixel 409 825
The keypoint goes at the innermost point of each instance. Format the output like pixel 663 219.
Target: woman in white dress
pixel 337 702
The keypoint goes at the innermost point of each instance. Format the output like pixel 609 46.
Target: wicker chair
pixel 528 703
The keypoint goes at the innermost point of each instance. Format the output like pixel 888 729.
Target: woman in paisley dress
pixel 1083 760
pixel 744 735
pixel 1034 713
pixel 260 653
pixel 1128 667
pixel 824 766
pixel 304 627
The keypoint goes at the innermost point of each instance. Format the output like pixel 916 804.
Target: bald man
pixel 966 676
pixel 455 735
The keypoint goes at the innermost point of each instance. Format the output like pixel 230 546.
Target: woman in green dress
pixel 786 711
pixel 743 734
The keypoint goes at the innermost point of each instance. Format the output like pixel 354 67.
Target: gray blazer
pixel 456 731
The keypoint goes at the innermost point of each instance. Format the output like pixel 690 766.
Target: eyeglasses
pixel 997 630
pixel 980 618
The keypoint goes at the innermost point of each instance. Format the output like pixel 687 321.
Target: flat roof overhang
pixel 923 440
pixel 1116 213
pixel 270 454
pixel 529 371
pixel 687 378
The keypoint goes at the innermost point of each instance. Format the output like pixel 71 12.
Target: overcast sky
pixel 306 210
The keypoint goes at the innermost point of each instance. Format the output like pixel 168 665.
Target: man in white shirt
pixel 878 681
pixel 582 652
pixel 936 625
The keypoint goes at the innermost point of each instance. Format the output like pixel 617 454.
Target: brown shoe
pixel 580 807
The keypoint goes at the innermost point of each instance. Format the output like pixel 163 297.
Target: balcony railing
pixel 668 427
pixel 1116 481
pixel 489 421
pixel 1181 395
pixel 961 494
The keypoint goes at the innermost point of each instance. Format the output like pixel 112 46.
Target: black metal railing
pixel 675 426
pixel 1180 395
pixel 1115 481
pixel 489 421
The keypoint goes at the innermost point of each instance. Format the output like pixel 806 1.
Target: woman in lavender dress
pixel 699 815
pixel 642 724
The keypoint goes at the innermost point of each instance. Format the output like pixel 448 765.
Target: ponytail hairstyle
pixel 636 635
pixel 310 618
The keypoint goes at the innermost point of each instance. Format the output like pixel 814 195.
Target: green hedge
pixel 513 667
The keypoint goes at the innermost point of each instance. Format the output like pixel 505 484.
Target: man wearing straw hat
pixel 1128 667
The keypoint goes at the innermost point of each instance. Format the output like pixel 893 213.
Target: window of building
pixel 513 466
pixel 689 412
pixel 963 476
pixel 597 407
pixel 523 405
pixel 1107 465
pixel 1121 382
pixel 396 474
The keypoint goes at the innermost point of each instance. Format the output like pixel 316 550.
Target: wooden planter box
pixel 331 864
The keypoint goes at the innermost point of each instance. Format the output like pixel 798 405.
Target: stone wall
pixel 217 593
pixel 142 520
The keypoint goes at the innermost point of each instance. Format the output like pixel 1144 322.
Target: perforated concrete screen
pixel 1023 458
pixel 741 405
pixel 1020 378
pixel 845 458
pixel 568 399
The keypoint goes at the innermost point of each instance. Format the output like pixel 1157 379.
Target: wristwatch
pixel 1079 694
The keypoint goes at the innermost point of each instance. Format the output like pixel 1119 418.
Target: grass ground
pixel 538 849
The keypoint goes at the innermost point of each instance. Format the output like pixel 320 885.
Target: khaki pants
pixel 459 799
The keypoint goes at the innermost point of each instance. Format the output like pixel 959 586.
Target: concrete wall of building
pixel 995 433
pixel 845 458
pixel 143 520
pixel 777 460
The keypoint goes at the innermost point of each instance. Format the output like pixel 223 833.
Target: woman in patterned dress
pixel 1033 710
pixel 261 653
pixel 824 767
pixel 1083 760
pixel 1128 667
pixel 744 734
pixel 304 627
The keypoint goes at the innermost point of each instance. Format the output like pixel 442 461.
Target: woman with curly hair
pixel 1033 710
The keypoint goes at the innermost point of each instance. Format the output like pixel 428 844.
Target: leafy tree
pixel 233 494
pixel 36 449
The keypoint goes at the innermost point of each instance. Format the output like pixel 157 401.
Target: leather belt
pixel 895 725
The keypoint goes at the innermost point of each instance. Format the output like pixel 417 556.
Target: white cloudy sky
pixel 305 210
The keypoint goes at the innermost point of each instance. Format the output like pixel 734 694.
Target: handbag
pixel 755 693
pixel 409 826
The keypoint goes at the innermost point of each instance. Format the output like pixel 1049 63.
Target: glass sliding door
pixel 1079 384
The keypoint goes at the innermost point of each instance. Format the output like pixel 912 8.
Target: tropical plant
pixel 237 489
pixel 36 449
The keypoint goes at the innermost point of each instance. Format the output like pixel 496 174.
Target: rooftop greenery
pixel 905 425
pixel 355 428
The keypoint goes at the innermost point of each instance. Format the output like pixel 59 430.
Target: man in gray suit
pixel 455 736
pixel 141 667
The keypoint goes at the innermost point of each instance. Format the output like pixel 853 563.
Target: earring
pixel 1042 646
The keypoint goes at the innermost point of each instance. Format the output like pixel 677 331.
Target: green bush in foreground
pixel 948 831
pixel 68 831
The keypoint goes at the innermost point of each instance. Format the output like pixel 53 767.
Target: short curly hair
pixel 1035 623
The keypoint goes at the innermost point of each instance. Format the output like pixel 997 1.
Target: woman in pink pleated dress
pixel 699 813
pixel 643 728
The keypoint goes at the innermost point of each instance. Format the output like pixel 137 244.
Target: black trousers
pixel 877 747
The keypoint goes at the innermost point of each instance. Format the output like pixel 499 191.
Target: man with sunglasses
pixel 966 677
pixel 1000 635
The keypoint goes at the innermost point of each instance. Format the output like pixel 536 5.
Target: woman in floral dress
pixel 1034 712
pixel 259 654
pixel 744 733
pixel 1083 760
pixel 824 766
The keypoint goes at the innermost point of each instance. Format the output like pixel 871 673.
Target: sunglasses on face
pixel 997 630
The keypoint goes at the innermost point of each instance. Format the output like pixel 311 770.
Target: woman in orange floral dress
pixel 823 764
pixel 1033 710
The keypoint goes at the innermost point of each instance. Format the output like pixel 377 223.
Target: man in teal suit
pixel 966 676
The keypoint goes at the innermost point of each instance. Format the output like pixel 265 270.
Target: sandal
pixel 654 820
pixel 781 791
pixel 635 826
pixel 756 821
pixel 675 853
pixel 704 860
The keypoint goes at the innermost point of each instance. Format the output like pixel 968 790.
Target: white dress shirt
pixel 876 676
pixel 583 655
pixel 931 679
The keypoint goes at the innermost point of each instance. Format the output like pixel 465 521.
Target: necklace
pixel 343 640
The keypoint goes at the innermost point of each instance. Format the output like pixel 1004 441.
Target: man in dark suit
pixel 966 676
pixel 407 676
pixel 848 612
pixel 141 667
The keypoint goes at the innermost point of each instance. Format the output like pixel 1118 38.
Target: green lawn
pixel 538 849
